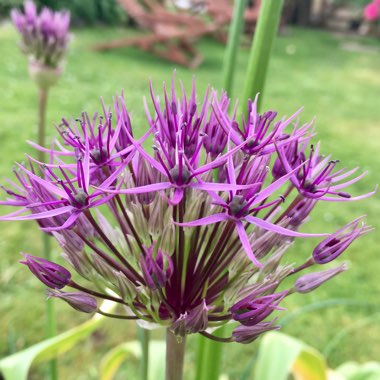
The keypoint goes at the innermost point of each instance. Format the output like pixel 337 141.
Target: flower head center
pixel 237 206
pixel 98 155
pixel 180 175
pixel 80 198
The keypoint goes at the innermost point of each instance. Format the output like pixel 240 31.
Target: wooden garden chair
pixel 221 12
pixel 172 34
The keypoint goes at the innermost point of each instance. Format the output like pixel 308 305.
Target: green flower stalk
pixel 44 40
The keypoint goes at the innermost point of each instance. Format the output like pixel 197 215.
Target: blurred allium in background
pixel 44 38
pixel 372 11
pixel 193 232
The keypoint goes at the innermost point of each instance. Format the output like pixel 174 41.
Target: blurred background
pixel 326 58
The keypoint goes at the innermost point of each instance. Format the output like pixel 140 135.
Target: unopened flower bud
pixel 301 211
pixel 311 281
pixel 247 334
pixel 102 268
pixel 197 318
pixel 156 271
pixel 168 239
pixel 192 321
pixel 252 310
pixel 333 246
pixel 52 275
pixel 127 289
pixel 79 301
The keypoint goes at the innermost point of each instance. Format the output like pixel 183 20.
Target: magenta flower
pixel 192 233
pixel 44 36
pixel 372 11
pixel 316 177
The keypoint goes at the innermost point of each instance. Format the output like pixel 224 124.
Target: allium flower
pixel 372 11
pixel 44 40
pixel 192 233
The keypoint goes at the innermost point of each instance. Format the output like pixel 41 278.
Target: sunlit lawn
pixel 340 88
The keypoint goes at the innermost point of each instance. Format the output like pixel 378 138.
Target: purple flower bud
pixel 197 318
pixel 79 301
pixel 156 271
pixel 247 334
pixel 144 176
pixel 192 321
pixel 293 156
pixel 301 211
pixel 311 281
pixel 252 310
pixel 52 275
pixel 330 248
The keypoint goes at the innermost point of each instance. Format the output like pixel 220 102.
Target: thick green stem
pixel 265 33
pixel 208 366
pixel 51 328
pixel 144 337
pixel 230 56
pixel 200 356
pixel 175 354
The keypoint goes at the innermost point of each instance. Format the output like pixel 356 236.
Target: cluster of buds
pixel 191 233
pixel 44 40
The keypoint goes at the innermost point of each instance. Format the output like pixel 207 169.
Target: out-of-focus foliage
pixel 83 12
pixel 16 366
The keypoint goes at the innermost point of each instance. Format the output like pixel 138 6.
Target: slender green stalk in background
pixel 175 355
pixel 231 52
pixel 144 338
pixel 51 329
pixel 265 33
pixel 208 359
pixel 199 356
pixel 209 354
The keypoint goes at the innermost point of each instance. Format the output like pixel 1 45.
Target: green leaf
pixel 114 359
pixel 309 365
pixel 209 355
pixel 280 355
pixel 16 366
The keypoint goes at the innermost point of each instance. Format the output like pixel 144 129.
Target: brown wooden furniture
pixel 172 34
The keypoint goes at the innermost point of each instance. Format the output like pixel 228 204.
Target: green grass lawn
pixel 341 88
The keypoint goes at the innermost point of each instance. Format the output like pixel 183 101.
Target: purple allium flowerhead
pixel 189 225
pixel 44 40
